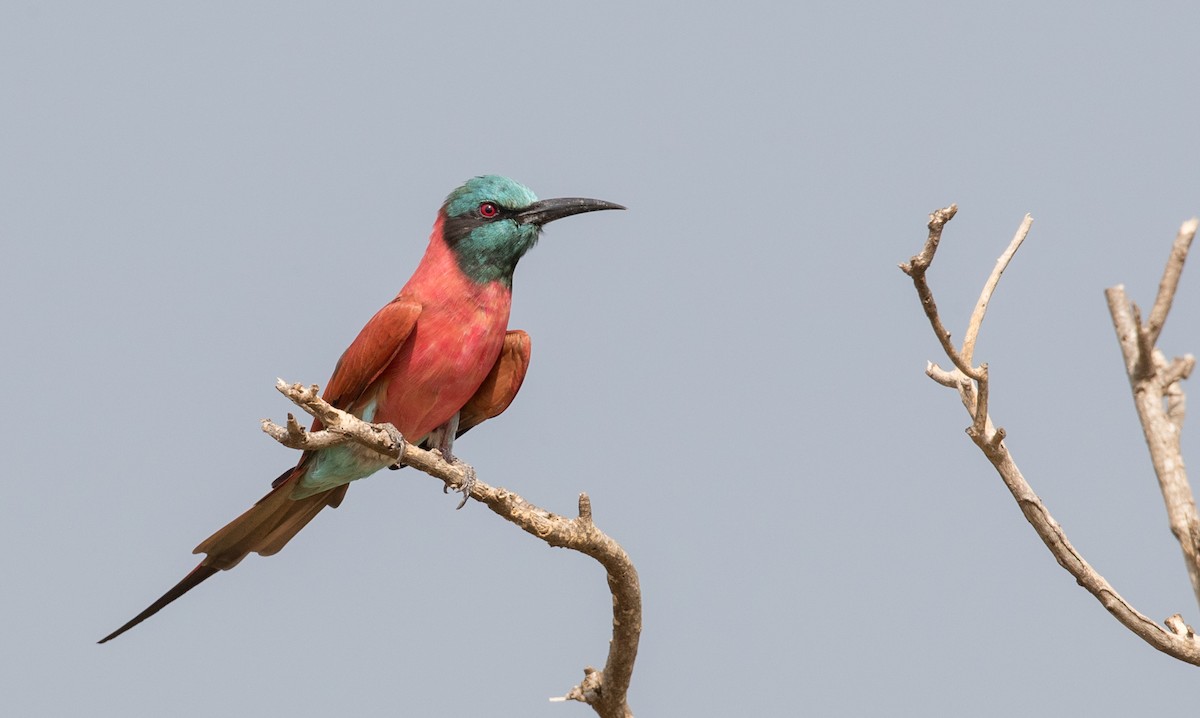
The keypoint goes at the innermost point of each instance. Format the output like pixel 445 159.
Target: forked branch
pixel 1159 398
pixel 972 384
pixel 604 690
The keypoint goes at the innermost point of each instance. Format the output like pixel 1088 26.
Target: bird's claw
pixel 399 442
pixel 468 482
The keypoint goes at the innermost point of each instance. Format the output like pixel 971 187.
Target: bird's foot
pixel 399 442
pixel 469 478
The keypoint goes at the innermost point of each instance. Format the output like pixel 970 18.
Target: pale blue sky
pixel 196 198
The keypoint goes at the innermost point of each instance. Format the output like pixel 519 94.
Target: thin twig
pixel 949 379
pixel 1170 278
pixel 968 350
pixel 917 267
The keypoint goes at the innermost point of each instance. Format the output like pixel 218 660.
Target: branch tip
pixel 1169 283
pixel 1178 370
pixel 1180 628
pixel 940 217
pixel 989 287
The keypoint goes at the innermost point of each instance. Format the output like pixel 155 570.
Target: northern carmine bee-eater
pixel 436 361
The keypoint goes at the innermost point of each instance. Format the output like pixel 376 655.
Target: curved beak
pixel 548 210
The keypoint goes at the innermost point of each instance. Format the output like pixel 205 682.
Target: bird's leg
pixel 442 441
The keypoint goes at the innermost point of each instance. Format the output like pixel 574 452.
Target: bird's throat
pixel 488 251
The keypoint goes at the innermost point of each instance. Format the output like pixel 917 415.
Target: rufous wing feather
pixel 501 385
pixel 370 353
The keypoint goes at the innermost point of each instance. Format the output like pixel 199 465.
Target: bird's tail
pixel 264 529
pixel 190 581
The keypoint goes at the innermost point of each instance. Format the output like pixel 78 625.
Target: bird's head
pixel 492 221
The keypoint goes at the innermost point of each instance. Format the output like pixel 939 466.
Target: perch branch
pixel 604 690
pixel 1159 398
pixel 1179 641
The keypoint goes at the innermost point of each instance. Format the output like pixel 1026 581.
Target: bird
pixel 434 362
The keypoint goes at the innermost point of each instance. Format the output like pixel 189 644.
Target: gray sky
pixel 197 198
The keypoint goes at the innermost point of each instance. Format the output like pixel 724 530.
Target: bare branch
pixel 1179 642
pixel 605 691
pixel 937 222
pixel 949 379
pixel 1183 648
pixel 1170 279
pixel 917 267
pixel 1160 400
pixel 1126 325
pixel 990 286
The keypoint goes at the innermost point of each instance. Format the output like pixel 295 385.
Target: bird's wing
pixel 501 385
pixel 371 351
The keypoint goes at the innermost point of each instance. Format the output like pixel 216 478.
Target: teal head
pixel 492 221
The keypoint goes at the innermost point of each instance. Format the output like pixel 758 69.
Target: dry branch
pixel 972 383
pixel 990 286
pixel 1159 397
pixel 605 690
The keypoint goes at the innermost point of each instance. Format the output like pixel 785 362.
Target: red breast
pixel 454 345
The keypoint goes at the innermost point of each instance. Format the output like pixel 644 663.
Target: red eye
pixel 488 210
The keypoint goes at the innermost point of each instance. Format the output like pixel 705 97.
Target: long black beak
pixel 548 210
